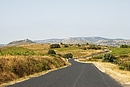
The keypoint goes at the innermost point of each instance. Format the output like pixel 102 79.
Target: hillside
pixel 84 40
pixel 2 45
pixel 20 42
pixel 76 40
pixel 113 42
pixel 49 41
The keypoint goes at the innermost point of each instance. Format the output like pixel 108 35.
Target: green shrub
pixel 83 48
pixel 87 43
pixel 121 67
pixel 65 46
pixel 124 46
pixel 108 58
pixel 94 47
pixel 51 52
pixel 78 45
pixel 54 46
pixel 59 54
pixel 126 65
pixel 69 55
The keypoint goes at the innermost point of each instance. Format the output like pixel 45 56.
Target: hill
pixel 2 45
pixel 49 41
pixel 76 40
pixel 20 42
pixel 84 40
pixel 71 40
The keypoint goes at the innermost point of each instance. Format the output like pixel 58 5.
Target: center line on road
pixel 79 76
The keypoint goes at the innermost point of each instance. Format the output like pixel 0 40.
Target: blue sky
pixel 43 19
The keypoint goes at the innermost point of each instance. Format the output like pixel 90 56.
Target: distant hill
pixel 84 40
pixel 49 41
pixel 97 40
pixel 76 40
pixel 113 42
pixel 20 42
pixel 2 45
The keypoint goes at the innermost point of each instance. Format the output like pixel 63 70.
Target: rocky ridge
pixel 76 40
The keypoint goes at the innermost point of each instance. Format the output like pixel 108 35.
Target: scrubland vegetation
pixel 20 61
pixel 123 57
pixel 15 67
pixel 23 60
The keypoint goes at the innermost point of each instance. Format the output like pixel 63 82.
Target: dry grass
pixel 13 67
pixel 25 57
pixel 113 70
pixel 29 77
pixel 37 48
pixel 43 49
pixel 78 52
pixel 20 62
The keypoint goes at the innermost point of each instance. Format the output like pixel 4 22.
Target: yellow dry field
pixel 24 57
pixel 113 70
pixel 30 77
pixel 84 53
pixel 37 48
pixel 43 49
pixel 77 53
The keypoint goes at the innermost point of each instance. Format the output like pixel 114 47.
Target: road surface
pixel 76 75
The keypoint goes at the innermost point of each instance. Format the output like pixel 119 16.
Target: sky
pixel 44 19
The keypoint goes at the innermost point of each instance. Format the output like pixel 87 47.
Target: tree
pixel 79 45
pixel 83 48
pixel 65 46
pixel 0 51
pixel 69 55
pixel 87 43
pixel 94 47
pixel 54 46
pixel 61 43
pixel 51 52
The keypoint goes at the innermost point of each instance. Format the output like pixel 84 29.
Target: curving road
pixel 76 75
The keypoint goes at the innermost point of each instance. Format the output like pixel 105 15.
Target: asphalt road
pixel 76 75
